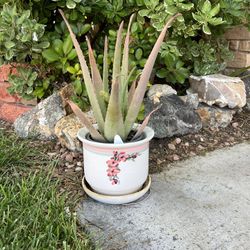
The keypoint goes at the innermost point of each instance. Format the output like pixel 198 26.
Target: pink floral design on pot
pixel 113 165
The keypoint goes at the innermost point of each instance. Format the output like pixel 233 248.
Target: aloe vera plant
pixel 119 115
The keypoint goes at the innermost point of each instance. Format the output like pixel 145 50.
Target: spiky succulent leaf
pixel 131 92
pixel 96 78
pixel 85 121
pixel 114 120
pixel 125 70
pixel 116 76
pixel 87 79
pixel 137 99
pixel 105 74
pixel 144 124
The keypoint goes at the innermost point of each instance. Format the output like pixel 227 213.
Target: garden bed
pixel 163 151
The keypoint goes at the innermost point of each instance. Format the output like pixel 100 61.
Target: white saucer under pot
pixel 117 199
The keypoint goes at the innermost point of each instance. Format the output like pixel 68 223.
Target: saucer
pixel 116 199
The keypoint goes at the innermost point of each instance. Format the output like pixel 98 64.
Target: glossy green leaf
pixel 67 45
pixel 50 55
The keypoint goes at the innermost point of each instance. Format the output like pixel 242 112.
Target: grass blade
pixel 137 99
pixel 86 76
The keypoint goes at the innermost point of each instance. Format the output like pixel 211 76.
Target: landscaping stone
pixel 66 131
pixel 248 104
pixel 41 120
pixel 191 99
pixel 220 90
pixel 174 117
pixel 200 203
pixel 158 90
pixel 246 79
pixel 215 117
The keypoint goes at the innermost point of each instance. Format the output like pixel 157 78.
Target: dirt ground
pixel 162 151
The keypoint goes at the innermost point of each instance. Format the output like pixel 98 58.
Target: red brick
pixel 241 60
pixel 234 45
pixel 10 111
pixel 5 70
pixel 238 33
pixel 4 94
pixel 244 46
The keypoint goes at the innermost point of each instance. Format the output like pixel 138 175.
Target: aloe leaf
pixel 131 92
pixel 83 118
pixel 87 79
pixel 105 66
pixel 144 124
pixel 137 99
pixel 114 121
pixel 117 57
pixel 96 78
pixel 125 69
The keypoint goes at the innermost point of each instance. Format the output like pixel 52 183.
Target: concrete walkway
pixel 200 203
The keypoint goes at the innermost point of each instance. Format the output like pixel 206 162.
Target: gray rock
pixel 173 118
pixel 41 120
pixel 248 104
pixel 191 99
pixel 245 77
pixel 215 117
pixel 158 90
pixel 220 90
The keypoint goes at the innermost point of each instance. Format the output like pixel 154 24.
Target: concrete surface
pixel 200 203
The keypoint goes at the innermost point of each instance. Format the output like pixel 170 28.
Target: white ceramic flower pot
pixel 116 169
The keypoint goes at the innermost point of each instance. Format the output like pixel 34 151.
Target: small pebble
pixel 78 169
pixel 176 158
pixel 235 124
pixel 62 150
pixel 69 157
pixel 171 146
pixel 70 165
pixel 201 147
pixel 177 140
pixel 227 144
pixel 201 139
pixel 186 144
pixel 192 153
pixel 52 154
pixel 79 163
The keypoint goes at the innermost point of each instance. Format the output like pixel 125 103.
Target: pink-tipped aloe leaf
pixel 105 75
pixel 144 124
pixel 137 99
pixel 87 79
pixel 85 121
pixel 96 78
pixel 114 121
pixel 125 69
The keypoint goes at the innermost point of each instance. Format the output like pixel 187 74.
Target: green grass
pixel 32 213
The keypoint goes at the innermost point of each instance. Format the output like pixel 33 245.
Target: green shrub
pixel 195 44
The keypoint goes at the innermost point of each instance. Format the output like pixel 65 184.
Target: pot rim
pixel 149 134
